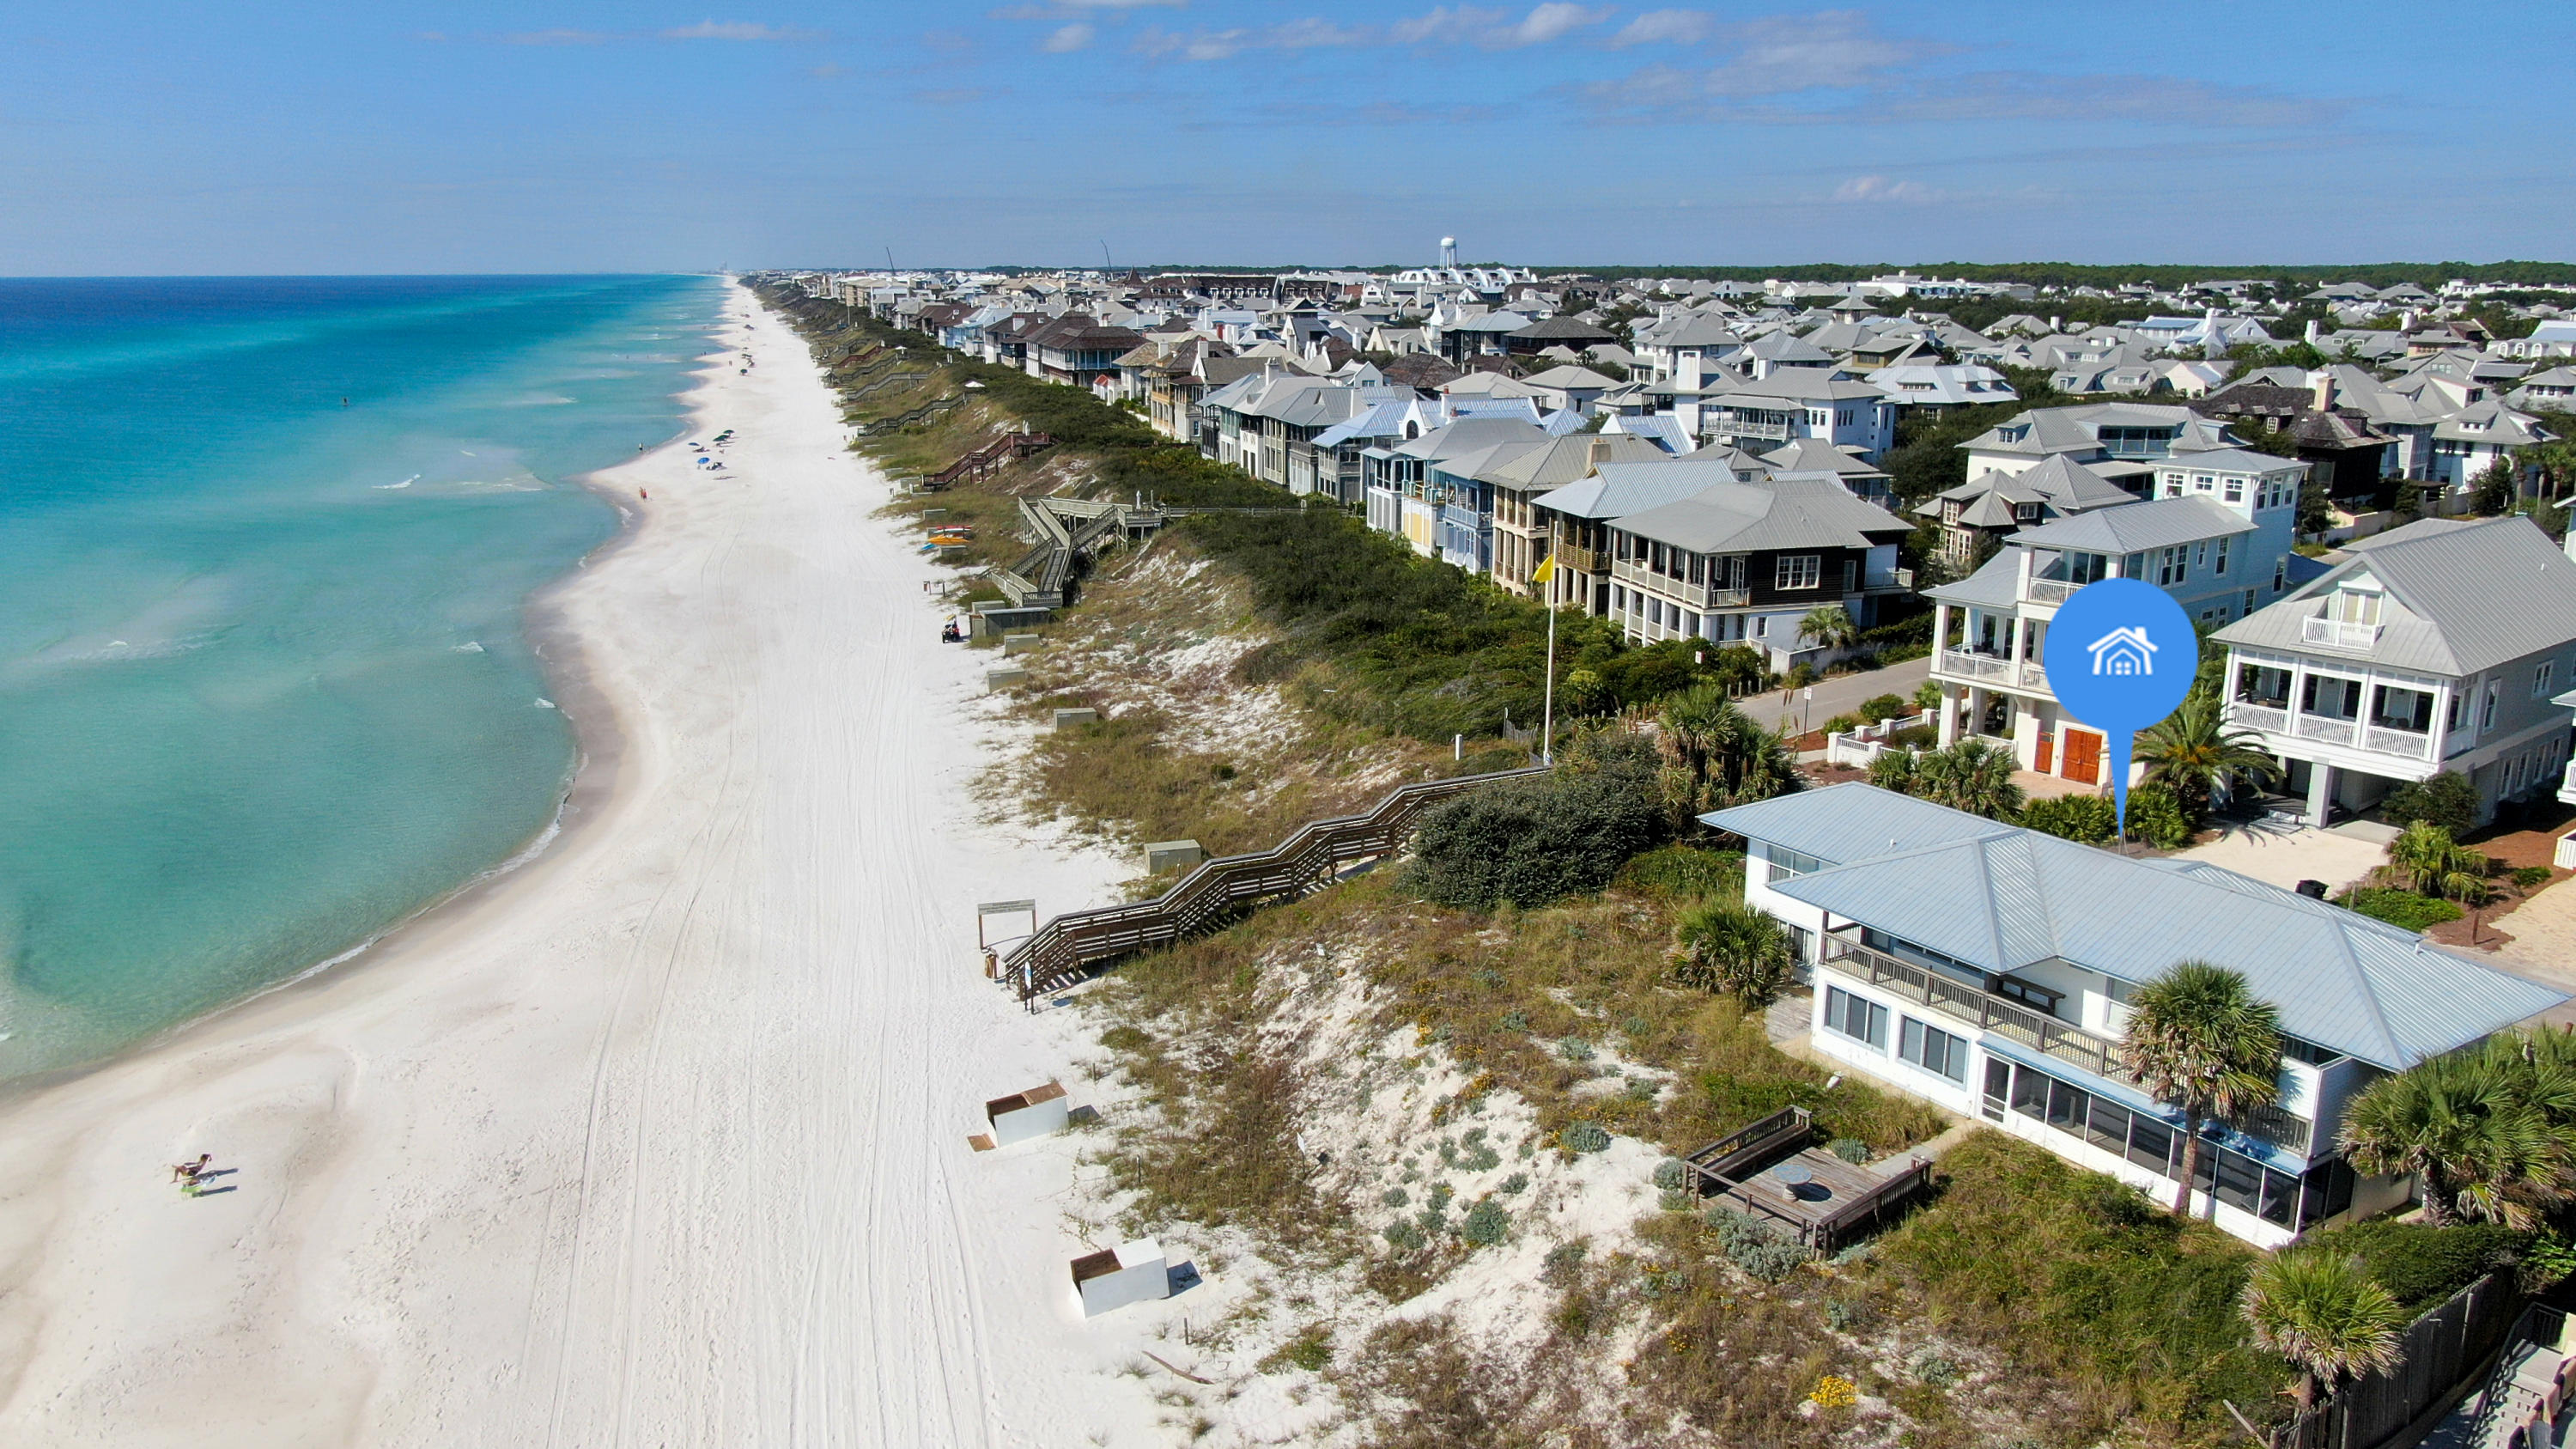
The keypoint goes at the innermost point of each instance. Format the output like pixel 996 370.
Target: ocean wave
pixel 545 703
pixel 470 646
pixel 406 483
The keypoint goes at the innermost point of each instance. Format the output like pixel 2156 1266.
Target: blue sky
pixel 579 136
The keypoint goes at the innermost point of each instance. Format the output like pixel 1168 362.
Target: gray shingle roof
pixel 2002 898
pixel 2462 597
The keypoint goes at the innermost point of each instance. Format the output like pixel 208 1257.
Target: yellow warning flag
pixel 1546 570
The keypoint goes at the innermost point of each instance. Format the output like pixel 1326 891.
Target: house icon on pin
pixel 2125 651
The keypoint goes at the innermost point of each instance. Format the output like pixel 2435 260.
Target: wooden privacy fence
pixel 2445 1346
pixel 1066 948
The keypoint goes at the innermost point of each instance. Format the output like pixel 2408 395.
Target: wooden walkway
pixel 1066 949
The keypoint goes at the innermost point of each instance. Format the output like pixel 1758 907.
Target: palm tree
pixel 1897 770
pixel 2199 1036
pixel 2425 852
pixel 1828 625
pixel 1715 755
pixel 1730 947
pixel 2192 752
pixel 2319 1310
pixel 1971 775
pixel 2465 1129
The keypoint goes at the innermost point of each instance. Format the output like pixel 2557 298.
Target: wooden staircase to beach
pixel 1067 949
pixel 994 453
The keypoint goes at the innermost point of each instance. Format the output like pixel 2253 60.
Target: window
pixel 2540 677
pixel 2487 715
pixel 2328 697
pixel 1762 626
pixel 1851 577
pixel 2170 565
pixel 1856 1017
pixel 2107 1126
pixel 1796 570
pixel 2200 554
pixel 2235 490
pixel 2393 708
pixel 2222 553
pixel 1932 1049
pixel 2280 573
pixel 2066 1108
pixel 2030 1092
pixel 2151 1144
pixel 1998 1087
pixel 1787 863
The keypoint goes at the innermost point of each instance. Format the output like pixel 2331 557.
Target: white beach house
pixel 1987 969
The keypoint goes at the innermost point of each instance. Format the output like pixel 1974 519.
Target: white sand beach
pixel 658 1140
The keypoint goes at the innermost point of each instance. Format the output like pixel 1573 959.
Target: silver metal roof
pixel 1813 511
pixel 2003 898
pixel 2461 597
pixel 2137 527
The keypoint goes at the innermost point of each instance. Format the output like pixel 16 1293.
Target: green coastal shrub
pixel 2403 909
pixel 1670 1174
pixel 2447 800
pixel 2085 819
pixel 1582 1137
pixel 2419 1264
pixel 2156 819
pixel 1530 842
pixel 1485 1223
pixel 1884 707
pixel 1684 872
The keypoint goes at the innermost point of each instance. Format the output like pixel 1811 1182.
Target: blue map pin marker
pixel 2120 656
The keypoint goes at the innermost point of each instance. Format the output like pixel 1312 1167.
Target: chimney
pixel 2310 335
pixel 1597 454
pixel 2056 324
pixel 2323 381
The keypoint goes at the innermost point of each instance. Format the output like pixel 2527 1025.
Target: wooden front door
pixel 2047 749
pixel 2083 757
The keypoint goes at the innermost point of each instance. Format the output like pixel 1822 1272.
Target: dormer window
pixel 2354 606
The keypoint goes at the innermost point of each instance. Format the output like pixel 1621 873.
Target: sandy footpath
pixel 658 1141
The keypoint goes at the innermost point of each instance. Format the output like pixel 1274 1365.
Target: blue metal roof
pixel 2002 898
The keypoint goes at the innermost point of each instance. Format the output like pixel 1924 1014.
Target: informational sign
pixel 2120 655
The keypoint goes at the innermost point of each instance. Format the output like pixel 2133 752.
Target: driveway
pixel 1841 694
pixel 2284 860
pixel 2544 944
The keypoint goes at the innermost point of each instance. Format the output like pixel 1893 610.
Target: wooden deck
pixel 1838 1201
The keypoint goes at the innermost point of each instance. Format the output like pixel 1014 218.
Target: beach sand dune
pixel 658 1140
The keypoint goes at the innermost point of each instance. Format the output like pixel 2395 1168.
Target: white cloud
pixel 1665 27
pixel 729 30
pixel 1884 189
pixel 1547 22
pixel 557 37
pixel 1442 25
pixel 1069 38
pixel 1832 50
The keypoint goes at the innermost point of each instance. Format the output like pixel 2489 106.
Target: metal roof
pixel 2137 527
pixel 1616 490
pixel 2461 597
pixel 2003 898
pixel 1814 511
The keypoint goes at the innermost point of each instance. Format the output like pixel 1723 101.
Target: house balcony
pixel 1689 596
pixel 2048 591
pixel 1580 559
pixel 2011 1020
pixel 1994 670
pixel 1975 1006
pixel 1726 427
pixel 2350 734
pixel 2338 634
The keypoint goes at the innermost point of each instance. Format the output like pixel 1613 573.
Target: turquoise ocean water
pixel 263 688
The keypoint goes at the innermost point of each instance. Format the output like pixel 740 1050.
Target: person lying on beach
pixel 186 1173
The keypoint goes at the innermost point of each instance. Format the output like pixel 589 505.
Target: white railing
pixel 1974 666
pixel 2033 676
pixel 2338 634
pixel 2397 742
pixel 2049 591
pixel 2328 731
pixel 2567 786
pixel 2258 717
pixel 1869 741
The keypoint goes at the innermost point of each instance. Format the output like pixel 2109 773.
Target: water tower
pixel 1449 252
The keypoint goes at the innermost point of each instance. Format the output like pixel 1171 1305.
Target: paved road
pixel 1840 695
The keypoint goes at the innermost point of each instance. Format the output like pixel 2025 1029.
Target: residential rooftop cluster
pixel 1710 463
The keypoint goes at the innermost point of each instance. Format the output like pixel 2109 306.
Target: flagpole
pixel 1547 713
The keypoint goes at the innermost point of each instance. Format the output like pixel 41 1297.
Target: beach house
pixel 2442 645
pixel 2217 537
pixel 1988 969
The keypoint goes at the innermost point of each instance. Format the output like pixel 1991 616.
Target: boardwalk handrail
pixel 1069 945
